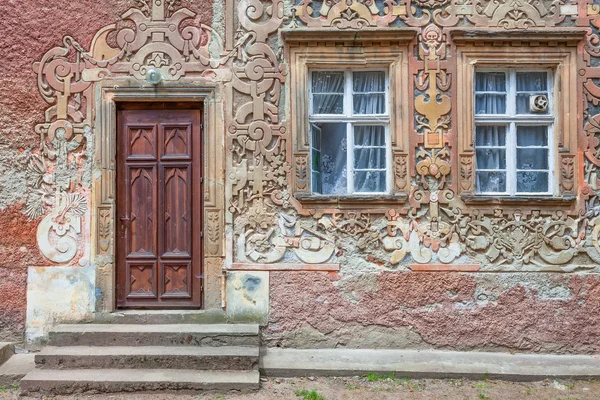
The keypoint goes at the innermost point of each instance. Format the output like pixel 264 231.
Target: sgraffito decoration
pixel 267 222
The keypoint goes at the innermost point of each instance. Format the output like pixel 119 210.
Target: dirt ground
pixel 373 387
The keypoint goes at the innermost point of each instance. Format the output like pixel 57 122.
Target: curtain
pixel 328 92
pixel 369 141
pixel 328 159
pixel 490 89
pixel 530 84
pixel 369 159
pixel 369 92
pixel 490 155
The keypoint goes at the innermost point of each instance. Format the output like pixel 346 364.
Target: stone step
pixel 6 351
pixel 56 382
pixel 15 368
pixel 209 335
pixel 148 357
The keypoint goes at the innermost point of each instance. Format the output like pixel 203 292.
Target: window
pixel 349 124
pixel 516 132
pixel 514 121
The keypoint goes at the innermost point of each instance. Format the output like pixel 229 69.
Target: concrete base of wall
pixel 427 364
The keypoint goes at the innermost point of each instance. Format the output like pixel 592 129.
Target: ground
pixel 375 387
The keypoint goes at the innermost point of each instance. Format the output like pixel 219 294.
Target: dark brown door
pixel 159 207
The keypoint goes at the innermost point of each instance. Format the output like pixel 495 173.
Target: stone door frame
pixel 107 93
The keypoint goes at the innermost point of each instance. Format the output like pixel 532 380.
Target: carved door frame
pixel 107 94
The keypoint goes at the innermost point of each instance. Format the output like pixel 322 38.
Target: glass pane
pixel 532 135
pixel 369 181
pixel 491 158
pixel 333 154
pixel 491 182
pixel 490 82
pixel 532 182
pixel 532 158
pixel 328 92
pixel 316 182
pixel 369 135
pixel 368 81
pixel 523 106
pixel 490 104
pixel 328 104
pixel 316 137
pixel 369 158
pixel 369 103
pixel 532 81
pixel 486 135
pixel 327 82
pixel 316 160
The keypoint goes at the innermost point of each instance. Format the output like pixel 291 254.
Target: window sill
pixel 518 200
pixel 352 201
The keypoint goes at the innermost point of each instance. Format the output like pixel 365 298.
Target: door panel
pixel 159 208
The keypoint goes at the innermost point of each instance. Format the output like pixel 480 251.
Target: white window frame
pixel 510 120
pixel 351 120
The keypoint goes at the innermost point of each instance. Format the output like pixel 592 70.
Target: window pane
pixel 490 82
pixel 316 137
pixel 491 182
pixel 368 81
pixel 491 158
pixel 328 104
pixel 316 160
pixel 490 104
pixel 328 82
pixel 333 177
pixel 369 92
pixel 523 103
pixel 369 181
pixel 535 83
pixel 532 158
pixel 532 81
pixel 532 135
pixel 369 158
pixel 328 92
pixel 365 135
pixel 369 103
pixel 490 135
pixel 532 182
pixel 316 182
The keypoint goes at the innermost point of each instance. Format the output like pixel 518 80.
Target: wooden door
pixel 159 207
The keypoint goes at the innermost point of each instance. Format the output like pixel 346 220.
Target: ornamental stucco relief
pixel 267 222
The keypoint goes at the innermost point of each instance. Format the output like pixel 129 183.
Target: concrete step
pixel 209 335
pixel 6 351
pixel 56 382
pixel 15 368
pixel 149 357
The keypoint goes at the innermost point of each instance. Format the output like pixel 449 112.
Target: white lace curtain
pixel 369 141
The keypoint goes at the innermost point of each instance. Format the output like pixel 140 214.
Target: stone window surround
pixel 107 94
pixel 556 50
pixel 309 49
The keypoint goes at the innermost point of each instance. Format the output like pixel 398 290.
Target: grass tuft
pixel 306 395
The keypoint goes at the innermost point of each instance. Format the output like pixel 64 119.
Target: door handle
pixel 124 221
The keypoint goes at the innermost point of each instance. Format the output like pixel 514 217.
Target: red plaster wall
pixel 29 28
pixel 442 309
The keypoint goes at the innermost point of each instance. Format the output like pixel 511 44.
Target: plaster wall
pixel 28 30
pixel 420 269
